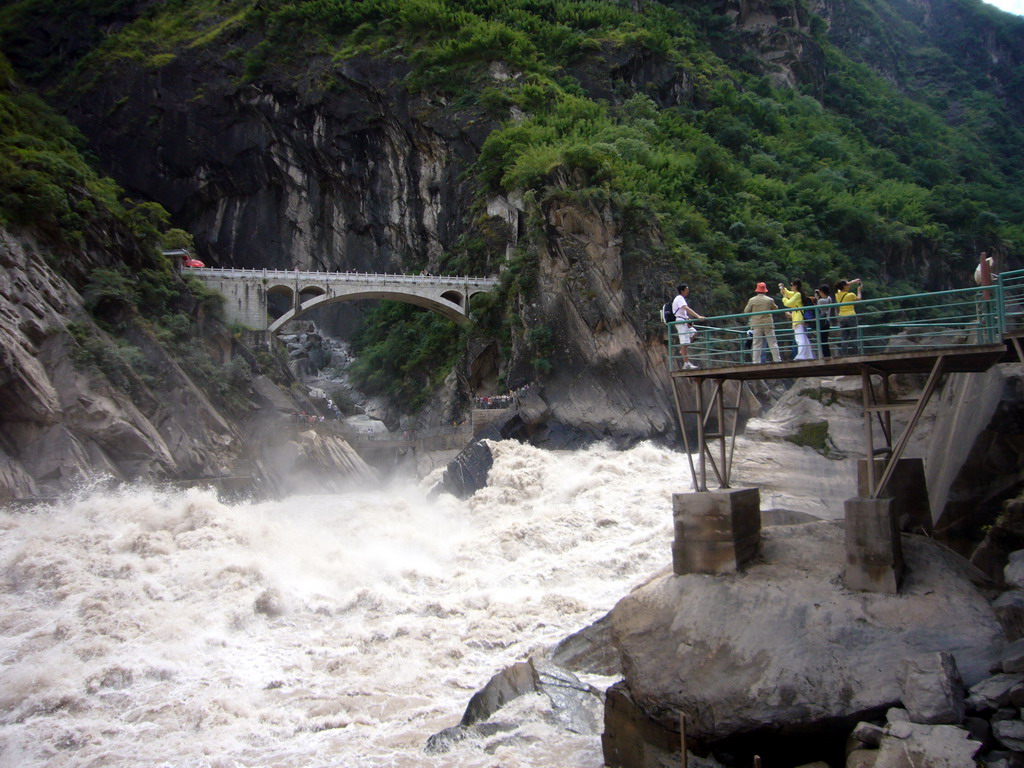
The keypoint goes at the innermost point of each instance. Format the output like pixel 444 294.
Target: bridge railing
pixel 318 276
pixel 896 324
pixel 1010 297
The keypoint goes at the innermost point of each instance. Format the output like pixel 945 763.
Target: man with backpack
pixel 682 313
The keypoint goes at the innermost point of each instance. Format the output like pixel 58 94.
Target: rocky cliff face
pixel 360 175
pixel 64 421
pixel 363 174
pixel 608 379
pixel 778 35
pixel 915 44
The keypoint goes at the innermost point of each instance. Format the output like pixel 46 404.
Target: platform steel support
pixel 885 407
pixel 869 442
pixel 699 416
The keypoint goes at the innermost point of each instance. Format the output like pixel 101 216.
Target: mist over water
pixel 170 629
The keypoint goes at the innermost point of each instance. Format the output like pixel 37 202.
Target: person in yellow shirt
pixel 849 345
pixel 794 299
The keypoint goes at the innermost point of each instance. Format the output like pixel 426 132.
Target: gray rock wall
pixel 63 422
pixel 785 646
pixel 975 457
pixel 60 422
pixel 276 174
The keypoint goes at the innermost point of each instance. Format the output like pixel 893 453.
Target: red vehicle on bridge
pixel 186 258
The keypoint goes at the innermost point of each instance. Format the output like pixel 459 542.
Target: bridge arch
pixel 280 299
pixel 455 297
pixel 454 310
pixel 309 292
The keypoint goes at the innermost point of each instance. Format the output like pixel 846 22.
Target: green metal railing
pixel 1010 300
pixel 895 324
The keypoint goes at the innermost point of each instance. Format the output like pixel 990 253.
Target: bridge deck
pixel 247 292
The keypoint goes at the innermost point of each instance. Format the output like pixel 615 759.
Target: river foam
pixel 170 629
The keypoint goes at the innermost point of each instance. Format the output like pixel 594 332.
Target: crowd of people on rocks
pixel 302 417
pixel 493 401
pixel 499 401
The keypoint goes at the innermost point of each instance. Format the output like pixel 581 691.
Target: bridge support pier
pixel 907 487
pixel 715 531
pixel 256 339
pixel 874 552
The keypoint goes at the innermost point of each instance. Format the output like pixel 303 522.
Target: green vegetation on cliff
pixel 45 183
pixel 742 182
pixel 676 120
pixel 740 178
pixel 49 191
pixel 738 172
pixel 404 353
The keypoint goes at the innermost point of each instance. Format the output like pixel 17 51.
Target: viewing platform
pixel 960 331
pixel 932 334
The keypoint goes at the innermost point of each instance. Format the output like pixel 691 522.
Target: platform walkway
pixel 964 330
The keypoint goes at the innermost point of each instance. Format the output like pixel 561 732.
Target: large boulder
pixel 467 473
pixel 785 644
pixel 933 692
pixel 914 745
pixel 572 704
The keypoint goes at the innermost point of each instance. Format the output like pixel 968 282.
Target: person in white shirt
pixel 683 313
pixel 979 276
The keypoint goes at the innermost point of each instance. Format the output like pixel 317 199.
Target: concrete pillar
pixel 255 339
pixel 908 488
pixel 874 553
pixel 717 531
pixel 634 739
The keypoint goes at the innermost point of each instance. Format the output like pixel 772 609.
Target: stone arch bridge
pixel 249 293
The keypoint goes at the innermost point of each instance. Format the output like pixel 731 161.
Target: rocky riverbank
pixel 78 404
pixel 781 660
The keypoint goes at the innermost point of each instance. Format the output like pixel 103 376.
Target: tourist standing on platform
pixel 849 344
pixel 824 301
pixel 795 299
pixel 986 264
pixel 683 313
pixel 762 326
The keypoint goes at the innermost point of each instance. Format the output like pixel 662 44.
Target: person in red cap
pixel 763 326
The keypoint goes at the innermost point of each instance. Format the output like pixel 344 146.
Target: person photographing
pixel 794 298
pixel 847 315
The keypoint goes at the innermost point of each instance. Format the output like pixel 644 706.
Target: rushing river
pixel 145 628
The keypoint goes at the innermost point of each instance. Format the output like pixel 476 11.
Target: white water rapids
pixel 146 628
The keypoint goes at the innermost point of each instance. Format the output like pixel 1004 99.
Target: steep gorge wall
pixel 339 166
pixel 276 173
pixel 365 176
pixel 915 43
pixel 63 422
pixel 609 378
